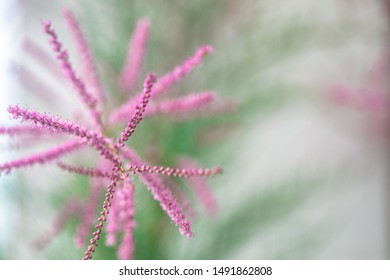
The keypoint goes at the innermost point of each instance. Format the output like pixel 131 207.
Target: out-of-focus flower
pixel 371 99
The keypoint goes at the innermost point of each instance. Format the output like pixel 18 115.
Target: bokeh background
pixel 305 171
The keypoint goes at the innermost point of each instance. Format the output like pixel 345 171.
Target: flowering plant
pixel 118 161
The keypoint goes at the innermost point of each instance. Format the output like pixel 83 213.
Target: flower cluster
pixel 118 161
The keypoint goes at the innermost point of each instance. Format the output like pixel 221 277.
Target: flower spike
pixel 176 172
pixel 139 109
pixel 162 194
pixel 63 58
pixel 89 212
pixel 41 158
pixel 201 188
pixel 169 79
pixel 91 172
pixel 113 222
pixel 135 55
pixel 183 104
pixel 103 214
pixel 47 121
pixel 86 54
pixel 133 169
pixel 164 83
pixel 126 215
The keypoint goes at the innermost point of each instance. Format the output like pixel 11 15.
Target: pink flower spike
pixel 168 171
pixel 111 188
pixel 41 158
pixel 164 83
pixel 86 55
pixel 183 104
pixel 135 55
pixel 113 224
pixel 200 187
pixel 63 58
pixel 175 172
pixel 162 195
pixel 126 215
pixel 91 172
pixel 181 197
pixel 47 121
pixel 88 214
pixel 139 110
pixel 169 79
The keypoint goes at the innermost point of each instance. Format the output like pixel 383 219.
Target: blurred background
pixel 300 127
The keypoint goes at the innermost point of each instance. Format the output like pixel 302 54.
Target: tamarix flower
pixel 119 162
